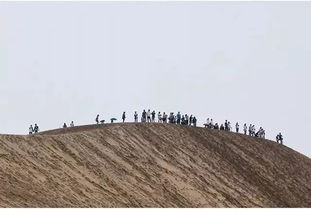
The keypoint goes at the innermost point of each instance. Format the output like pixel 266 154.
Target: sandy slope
pixel 150 165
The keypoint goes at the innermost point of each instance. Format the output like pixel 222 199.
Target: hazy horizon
pixel 245 62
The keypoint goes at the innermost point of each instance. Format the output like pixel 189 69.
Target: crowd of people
pixel 226 126
pixel 182 119
pixel 151 117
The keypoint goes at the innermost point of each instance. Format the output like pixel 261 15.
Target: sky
pixel 246 62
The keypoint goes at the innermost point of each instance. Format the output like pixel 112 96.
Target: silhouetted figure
pixel 65 125
pixel 36 128
pixel 30 129
pixel 135 117
pixel 194 120
pixel 279 138
pixel 216 126
pixel 143 116
pixel 123 117
pixel 97 119
pixel 237 126
pixel 222 127
pixel 153 116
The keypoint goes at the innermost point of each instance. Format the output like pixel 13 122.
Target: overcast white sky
pixel 241 61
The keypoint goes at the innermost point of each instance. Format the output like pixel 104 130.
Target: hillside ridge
pixel 150 165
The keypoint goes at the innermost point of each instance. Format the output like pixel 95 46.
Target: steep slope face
pixel 150 165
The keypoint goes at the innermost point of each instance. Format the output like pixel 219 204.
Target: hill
pixel 150 165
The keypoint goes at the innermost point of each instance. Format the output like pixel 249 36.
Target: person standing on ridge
pixel 135 117
pixel 123 117
pixel 36 128
pixel 279 138
pixel 30 129
pixel 194 120
pixel 178 117
pixel 190 120
pixel 65 125
pixel 149 116
pixel 159 117
pixel 237 126
pixel 153 116
pixel 245 129
pixel 71 124
pixel 97 119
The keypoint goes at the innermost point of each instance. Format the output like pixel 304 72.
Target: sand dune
pixel 150 165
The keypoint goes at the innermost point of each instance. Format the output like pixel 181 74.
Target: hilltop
pixel 150 165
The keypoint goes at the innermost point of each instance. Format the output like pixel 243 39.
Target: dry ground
pixel 150 165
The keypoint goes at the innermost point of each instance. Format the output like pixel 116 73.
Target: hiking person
pixel 65 125
pixel 123 117
pixel 245 128
pixel 211 125
pixel 250 129
pixel 97 119
pixel 229 126
pixel 190 120
pixel 148 116
pixel 253 130
pixel 164 117
pixel 216 126
pixel 36 128
pixel 135 117
pixel 143 116
pixel 153 116
pixel 194 120
pixel 30 129
pixel 237 127
pixel 226 125
pixel 279 138
pixel 159 117
pixel 178 117
pixel 182 120
pixel 222 127
pixel 71 124
pixel 186 119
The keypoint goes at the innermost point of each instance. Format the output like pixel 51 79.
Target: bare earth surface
pixel 150 165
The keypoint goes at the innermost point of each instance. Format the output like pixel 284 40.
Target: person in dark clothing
pixel 222 127
pixel 123 117
pixel 226 126
pixel 279 138
pixel 143 116
pixel 153 116
pixel 135 117
pixel 97 119
pixel 190 120
pixel 194 120
pixel 65 125
pixel 216 126
pixel 36 128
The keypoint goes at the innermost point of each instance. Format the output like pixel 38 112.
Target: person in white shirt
pixel 245 128
pixel 148 116
pixel 30 129
pixel 71 124
pixel 159 117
